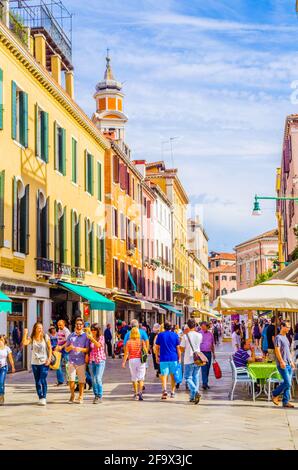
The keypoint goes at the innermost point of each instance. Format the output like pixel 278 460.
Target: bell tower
pixel 109 116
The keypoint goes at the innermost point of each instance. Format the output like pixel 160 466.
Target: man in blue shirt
pixel 143 334
pixel 168 354
pixel 241 356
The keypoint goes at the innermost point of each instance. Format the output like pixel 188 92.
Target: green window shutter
pixel 92 248
pixel 1 99
pixel 57 238
pixel 15 214
pixel 38 226
pixel 86 170
pixel 79 242
pixel 27 230
pixel 64 152
pixel 87 267
pixel 74 160
pixel 24 119
pixel 56 146
pixel 64 236
pixel 13 110
pixel 2 181
pixel 99 195
pixel 45 136
pixel 37 132
pixel 47 232
pixel 103 254
pixel 73 246
pixel 92 175
pixel 98 253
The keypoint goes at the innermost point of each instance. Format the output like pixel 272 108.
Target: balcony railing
pixel 44 266
pixel 62 269
pixel 16 25
pixel 78 273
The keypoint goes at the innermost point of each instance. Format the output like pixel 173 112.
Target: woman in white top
pixel 40 360
pixel 5 354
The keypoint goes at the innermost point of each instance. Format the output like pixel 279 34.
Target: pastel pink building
pixel 254 257
pixel 222 274
pixel 287 185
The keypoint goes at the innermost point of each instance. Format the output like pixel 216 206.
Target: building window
pixel 75 239
pixel 224 292
pixel 256 269
pixel 100 248
pixel 2 182
pixel 19 115
pixel 248 271
pixel 116 272
pixel 241 272
pixel 74 160
pixel 39 311
pixel 122 227
pixel 41 134
pixel 89 164
pixel 224 278
pixel 20 221
pixel 89 253
pixel 42 225
pixel 217 278
pixel 233 278
pixel 60 149
pixel 122 276
pixel 115 222
pixel 99 182
pixel 115 169
pixel 60 233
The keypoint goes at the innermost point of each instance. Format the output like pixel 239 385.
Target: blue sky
pixel 215 74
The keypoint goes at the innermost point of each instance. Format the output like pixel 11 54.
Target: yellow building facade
pixel 51 189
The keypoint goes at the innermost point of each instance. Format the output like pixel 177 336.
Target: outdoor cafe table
pixel 262 371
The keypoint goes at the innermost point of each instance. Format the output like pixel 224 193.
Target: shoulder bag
pixel 144 353
pixel 198 357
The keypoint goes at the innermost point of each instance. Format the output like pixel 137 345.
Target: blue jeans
pixel 40 373
pixel 97 371
pixel 59 372
pixel 285 387
pixel 3 372
pixel 206 368
pixel 192 378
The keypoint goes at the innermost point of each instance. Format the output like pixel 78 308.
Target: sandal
pixel 164 395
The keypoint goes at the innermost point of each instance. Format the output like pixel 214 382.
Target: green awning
pixel 5 303
pixel 96 301
pixel 172 309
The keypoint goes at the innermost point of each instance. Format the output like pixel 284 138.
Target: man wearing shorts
pixel 168 355
pixel 77 345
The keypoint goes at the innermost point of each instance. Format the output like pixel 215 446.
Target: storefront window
pixel 39 311
pixel 16 322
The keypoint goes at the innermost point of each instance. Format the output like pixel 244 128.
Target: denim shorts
pixel 167 368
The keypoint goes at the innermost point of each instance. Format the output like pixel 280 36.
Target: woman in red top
pixel 132 353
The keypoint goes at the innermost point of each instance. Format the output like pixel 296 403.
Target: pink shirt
pixel 208 341
pixel 62 336
pixel 97 354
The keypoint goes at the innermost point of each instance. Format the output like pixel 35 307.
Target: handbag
pixel 178 376
pixel 144 354
pixel 217 370
pixel 198 357
pixel 55 360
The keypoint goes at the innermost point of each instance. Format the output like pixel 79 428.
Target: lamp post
pixel 257 212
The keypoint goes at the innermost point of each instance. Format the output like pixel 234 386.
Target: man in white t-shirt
pixel 236 339
pixel 190 343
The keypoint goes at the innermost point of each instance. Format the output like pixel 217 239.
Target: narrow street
pixel 121 423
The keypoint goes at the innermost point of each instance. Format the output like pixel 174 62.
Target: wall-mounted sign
pixel 18 265
pixel 6 263
pixel 16 289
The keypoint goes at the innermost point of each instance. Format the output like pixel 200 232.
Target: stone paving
pixel 121 423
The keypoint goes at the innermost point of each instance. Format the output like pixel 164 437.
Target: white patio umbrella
pixel 270 295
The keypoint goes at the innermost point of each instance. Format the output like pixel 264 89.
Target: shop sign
pixel 6 263
pixel 18 265
pixel 17 289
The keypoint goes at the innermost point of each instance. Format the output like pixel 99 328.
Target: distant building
pixel 255 257
pixel 222 274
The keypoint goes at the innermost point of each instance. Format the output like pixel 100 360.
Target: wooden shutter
pixel 78 240
pixel 24 222
pixel 45 136
pixel 86 246
pixel 2 193
pixel 92 174
pixel 98 252
pixel 24 119
pixel 99 195
pixel 15 214
pixel 65 235
pixel 57 237
pixel 37 132
pixel 74 160
pixel 47 230
pixel 73 238
pixel 92 253
pixel 1 99
pixel 13 110
pixel 38 227
pixel 56 163
pixel 86 170
pixel 63 152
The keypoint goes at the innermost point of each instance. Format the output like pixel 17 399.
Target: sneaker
pixel 141 397
pixel 205 387
pixel 71 400
pixel 275 400
pixel 164 395
pixel 42 401
pixel 80 401
pixel 172 394
pixel 177 386
pixel 58 384
pixel 1 400
pixel 96 401
pixel 136 397
pixel 191 400
pixel 288 405
pixel 197 398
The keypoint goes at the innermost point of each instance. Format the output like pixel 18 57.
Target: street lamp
pixel 256 209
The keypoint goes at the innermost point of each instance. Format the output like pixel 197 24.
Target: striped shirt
pixel 240 358
pixel 134 348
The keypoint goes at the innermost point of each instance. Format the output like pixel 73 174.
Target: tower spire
pixel 108 73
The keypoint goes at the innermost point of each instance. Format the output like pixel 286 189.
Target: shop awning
pixel 172 309
pixel 95 300
pixel 5 303
pixel 127 299
pixel 159 309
